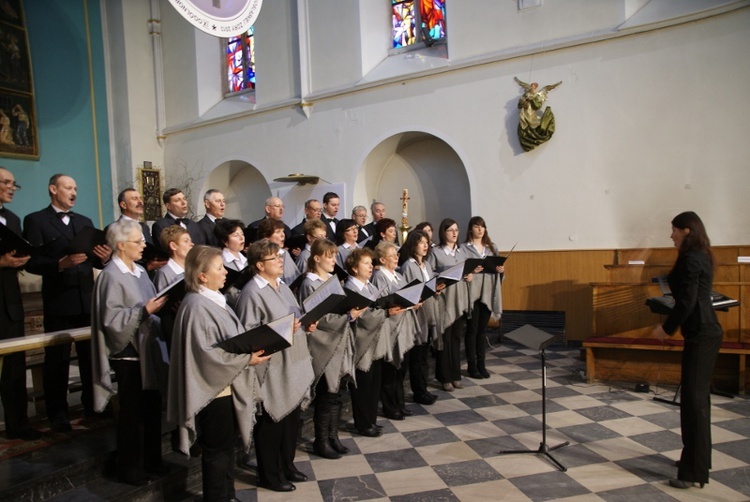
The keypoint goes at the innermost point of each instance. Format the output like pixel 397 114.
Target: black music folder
pixel 11 241
pixel 235 278
pixel 406 297
pixel 152 252
pixel 175 293
pixel 85 241
pixel 354 300
pixel 322 301
pixel 296 242
pixel 429 289
pixel 270 338
pixel 452 275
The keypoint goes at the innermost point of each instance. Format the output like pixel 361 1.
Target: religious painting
pixel 150 181
pixel 18 130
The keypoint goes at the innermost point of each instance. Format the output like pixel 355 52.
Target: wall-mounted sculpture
pixel 534 128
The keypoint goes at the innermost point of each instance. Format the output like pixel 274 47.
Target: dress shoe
pixel 325 450
pixel 484 373
pixel 458 385
pixel 406 412
pixel 284 486
pixel 296 476
pixel 448 387
pixel 61 426
pixel 394 416
pixel 682 485
pixel 426 399
pixel 337 445
pixel 378 428
pixel 28 434
pixel 372 432
pixel 475 375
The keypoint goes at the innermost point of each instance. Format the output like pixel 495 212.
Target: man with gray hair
pixel 378 213
pixel 313 210
pixel 359 215
pixel 274 209
pixel 215 204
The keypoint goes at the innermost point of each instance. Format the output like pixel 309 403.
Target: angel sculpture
pixel 533 129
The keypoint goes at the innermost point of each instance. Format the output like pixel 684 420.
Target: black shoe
pixel 484 373
pixel 683 485
pixel 425 398
pixel 394 416
pixel 61 426
pixel 378 427
pixel 406 412
pixel 475 375
pixel 325 450
pixel 337 445
pixel 296 476
pixel 372 432
pixel 284 486
pixel 27 434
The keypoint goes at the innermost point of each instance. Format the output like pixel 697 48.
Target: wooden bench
pixel 648 360
pixel 36 342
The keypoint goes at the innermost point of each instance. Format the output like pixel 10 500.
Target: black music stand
pixel 536 339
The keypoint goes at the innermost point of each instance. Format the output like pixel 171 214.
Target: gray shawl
pixel 200 370
pixel 454 300
pixel 286 379
pixel 371 333
pixel 166 276
pixel 291 272
pixel 332 343
pixel 405 328
pixel 118 320
pixel 428 314
pixel 485 288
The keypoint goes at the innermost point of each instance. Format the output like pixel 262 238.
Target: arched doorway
pixel 425 165
pixel 244 188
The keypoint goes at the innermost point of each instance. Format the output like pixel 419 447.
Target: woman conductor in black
pixel 691 280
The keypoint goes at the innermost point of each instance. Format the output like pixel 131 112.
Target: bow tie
pixel 3 210
pixel 63 214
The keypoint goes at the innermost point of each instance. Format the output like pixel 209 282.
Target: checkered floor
pixel 622 444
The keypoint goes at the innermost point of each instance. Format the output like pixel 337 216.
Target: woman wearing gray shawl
pixel 454 305
pixel 273 230
pixel 404 328
pixel 286 380
pixel 123 339
pixel 332 351
pixel 413 266
pixel 212 393
pixel 485 296
pixel 372 344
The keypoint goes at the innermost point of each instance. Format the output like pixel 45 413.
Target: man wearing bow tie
pixel 215 204
pixel 177 214
pixel 67 282
pixel 330 210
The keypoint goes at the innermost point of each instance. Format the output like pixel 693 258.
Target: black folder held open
pixel 322 301
pixel 85 241
pixel 11 241
pixel 270 338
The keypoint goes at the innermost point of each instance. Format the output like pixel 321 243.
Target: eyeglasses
pixel 11 184
pixel 272 257
pixel 139 241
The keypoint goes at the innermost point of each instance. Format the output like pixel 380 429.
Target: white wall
pixel 647 125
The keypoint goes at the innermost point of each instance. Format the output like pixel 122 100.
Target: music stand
pixel 536 339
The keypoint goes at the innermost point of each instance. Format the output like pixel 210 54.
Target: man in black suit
pixel 215 204
pixel 330 210
pixel 313 210
pixel 177 214
pixel 274 209
pixel 130 202
pixel 67 282
pixel 378 213
pixel 13 377
pixel 359 215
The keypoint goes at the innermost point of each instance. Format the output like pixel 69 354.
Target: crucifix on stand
pixel 404 228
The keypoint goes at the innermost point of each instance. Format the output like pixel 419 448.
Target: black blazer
pixel 206 227
pixel 11 306
pixel 330 233
pixel 299 229
pixel 691 281
pixel 364 233
pixel 192 227
pixel 66 292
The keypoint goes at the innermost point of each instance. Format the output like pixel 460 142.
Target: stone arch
pixel 428 167
pixel 244 187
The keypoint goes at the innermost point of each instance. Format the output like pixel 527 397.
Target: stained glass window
pixel 417 21
pixel 240 60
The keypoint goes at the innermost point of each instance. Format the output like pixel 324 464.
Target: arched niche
pixel 425 165
pixel 244 188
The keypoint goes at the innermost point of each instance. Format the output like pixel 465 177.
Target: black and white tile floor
pixel 622 444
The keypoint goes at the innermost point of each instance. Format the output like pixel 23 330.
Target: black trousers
pixel 217 436
pixel 698 360
pixel 448 364
pixel 276 446
pixel 57 369
pixel 418 368
pixel 475 342
pixel 138 422
pixel 365 396
pixel 392 386
pixel 13 392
